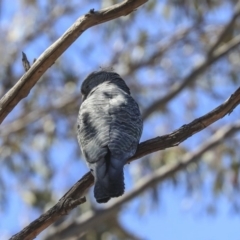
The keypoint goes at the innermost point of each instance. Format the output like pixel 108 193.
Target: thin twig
pixel 25 62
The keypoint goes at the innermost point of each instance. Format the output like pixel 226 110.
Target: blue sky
pixel 171 221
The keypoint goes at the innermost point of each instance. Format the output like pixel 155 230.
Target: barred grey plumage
pixel 109 130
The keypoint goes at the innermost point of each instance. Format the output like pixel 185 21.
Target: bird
pixel 109 127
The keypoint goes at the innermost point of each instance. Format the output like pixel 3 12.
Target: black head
pixel 96 78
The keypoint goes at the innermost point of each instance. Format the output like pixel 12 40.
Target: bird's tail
pixel 108 188
pixel 109 179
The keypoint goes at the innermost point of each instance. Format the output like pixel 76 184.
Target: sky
pixel 171 221
pixel 177 217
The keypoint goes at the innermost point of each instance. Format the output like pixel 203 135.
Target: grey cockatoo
pixel 109 129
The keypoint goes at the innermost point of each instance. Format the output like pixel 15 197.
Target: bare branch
pixel 180 85
pixel 86 221
pixel 22 88
pixel 153 145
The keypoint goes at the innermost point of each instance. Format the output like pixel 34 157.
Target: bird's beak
pixel 83 97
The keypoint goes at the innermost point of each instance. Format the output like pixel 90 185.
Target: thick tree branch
pixel 147 147
pixel 87 221
pixel 215 55
pixel 22 88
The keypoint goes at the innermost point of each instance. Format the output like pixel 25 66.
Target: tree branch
pixel 147 147
pixel 86 221
pixel 22 88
